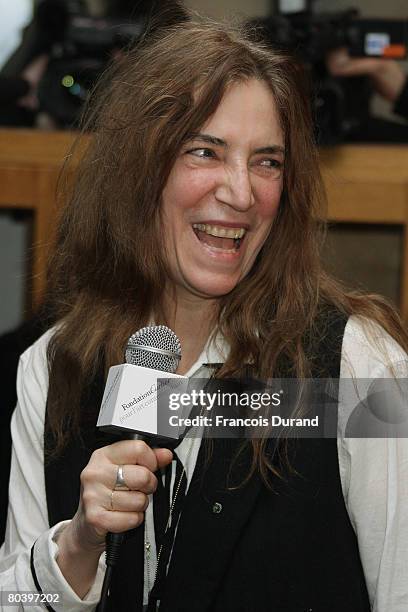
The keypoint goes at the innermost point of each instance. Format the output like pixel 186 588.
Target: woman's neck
pixel 192 319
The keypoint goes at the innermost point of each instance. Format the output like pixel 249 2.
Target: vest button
pixel 217 508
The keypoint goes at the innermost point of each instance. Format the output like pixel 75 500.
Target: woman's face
pixel 223 193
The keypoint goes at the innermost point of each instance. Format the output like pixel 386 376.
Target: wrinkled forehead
pixel 245 110
pixel 260 87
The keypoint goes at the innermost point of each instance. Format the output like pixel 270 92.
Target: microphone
pixel 129 404
pixel 135 390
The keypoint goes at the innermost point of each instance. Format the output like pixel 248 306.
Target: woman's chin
pixel 207 287
pixel 211 288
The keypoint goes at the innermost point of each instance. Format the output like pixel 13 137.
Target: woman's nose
pixel 235 189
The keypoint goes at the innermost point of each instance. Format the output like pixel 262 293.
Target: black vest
pixel 289 549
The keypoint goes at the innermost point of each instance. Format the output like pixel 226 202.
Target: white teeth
pixel 221 232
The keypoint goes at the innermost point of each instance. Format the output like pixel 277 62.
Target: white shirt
pixel 374 478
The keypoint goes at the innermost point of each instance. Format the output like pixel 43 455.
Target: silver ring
pixel 120 484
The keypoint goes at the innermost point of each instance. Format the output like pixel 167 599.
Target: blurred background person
pixel 65 48
pixel 387 76
pixel 324 38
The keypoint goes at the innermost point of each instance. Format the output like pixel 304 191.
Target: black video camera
pixel 341 105
pixel 78 60
pixel 87 44
pixel 314 35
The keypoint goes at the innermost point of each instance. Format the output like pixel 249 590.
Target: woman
pixel 196 206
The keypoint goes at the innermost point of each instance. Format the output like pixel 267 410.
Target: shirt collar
pixel 215 352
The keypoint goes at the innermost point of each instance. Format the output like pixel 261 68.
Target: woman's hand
pixel 95 516
pixel 83 540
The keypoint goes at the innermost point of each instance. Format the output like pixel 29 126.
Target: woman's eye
pixel 273 166
pixel 271 163
pixel 202 152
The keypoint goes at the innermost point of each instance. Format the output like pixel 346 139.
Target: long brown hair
pixel 108 273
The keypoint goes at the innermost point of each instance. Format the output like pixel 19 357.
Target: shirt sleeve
pixel 27 519
pixel 374 472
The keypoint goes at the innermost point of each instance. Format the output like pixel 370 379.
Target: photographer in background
pixel 72 42
pixel 30 79
pixel 348 57
pixel 22 72
pixel 387 76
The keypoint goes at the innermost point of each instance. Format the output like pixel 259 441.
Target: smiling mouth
pixel 228 239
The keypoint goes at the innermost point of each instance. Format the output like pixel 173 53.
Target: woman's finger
pixel 101 520
pixel 129 452
pixel 126 501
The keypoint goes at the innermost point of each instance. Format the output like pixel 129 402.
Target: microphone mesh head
pixel 156 347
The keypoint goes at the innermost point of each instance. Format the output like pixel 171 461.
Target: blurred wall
pixel 14 245
pixel 372 8
pixel 14 16
pixel 262 7
pixel 225 8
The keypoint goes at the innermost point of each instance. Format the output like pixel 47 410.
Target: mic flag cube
pixel 133 397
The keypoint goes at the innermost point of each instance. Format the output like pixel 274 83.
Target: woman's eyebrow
pixel 207 138
pixel 271 150
pixel 214 140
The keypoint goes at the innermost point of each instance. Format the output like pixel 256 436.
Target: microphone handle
pixel 114 542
